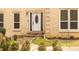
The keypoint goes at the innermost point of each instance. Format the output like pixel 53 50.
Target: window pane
pixel 16 25
pixel 1 17
pixel 1 24
pixel 64 15
pixel 16 17
pixel 73 15
pixel 73 25
pixel 64 25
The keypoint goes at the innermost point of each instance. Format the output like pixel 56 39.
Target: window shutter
pixel 41 21
pixel 30 21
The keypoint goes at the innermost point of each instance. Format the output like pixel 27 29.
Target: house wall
pixel 24 20
pixel 54 25
pixel 50 21
pixel 9 21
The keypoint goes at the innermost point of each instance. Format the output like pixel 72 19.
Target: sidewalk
pixel 33 47
pixel 70 48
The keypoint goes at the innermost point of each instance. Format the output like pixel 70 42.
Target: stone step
pixel 35 34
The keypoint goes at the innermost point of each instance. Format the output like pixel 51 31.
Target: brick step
pixel 35 34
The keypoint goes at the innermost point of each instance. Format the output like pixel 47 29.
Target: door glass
pixel 36 19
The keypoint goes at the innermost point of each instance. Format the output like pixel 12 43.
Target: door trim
pixel 30 21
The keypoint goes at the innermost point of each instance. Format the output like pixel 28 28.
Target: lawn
pixel 70 43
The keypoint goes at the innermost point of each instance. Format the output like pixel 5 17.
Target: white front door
pixel 36 21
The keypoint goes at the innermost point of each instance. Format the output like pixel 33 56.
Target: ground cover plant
pixel 65 43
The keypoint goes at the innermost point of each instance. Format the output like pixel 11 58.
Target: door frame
pixel 42 21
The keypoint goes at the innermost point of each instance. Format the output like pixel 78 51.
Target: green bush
pixel 2 30
pixel 54 43
pixel 9 45
pixel 51 37
pixel 71 37
pixel 15 37
pixel 42 47
pixel 56 46
pixel 14 46
pixel 26 46
pixel 4 45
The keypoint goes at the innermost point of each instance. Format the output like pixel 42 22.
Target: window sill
pixel 16 30
pixel 68 30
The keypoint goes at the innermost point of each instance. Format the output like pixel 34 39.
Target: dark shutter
pixel 1 17
pixel 1 20
pixel 30 21
pixel 41 21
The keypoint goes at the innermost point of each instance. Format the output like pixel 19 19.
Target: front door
pixel 36 22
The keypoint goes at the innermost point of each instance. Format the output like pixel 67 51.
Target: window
pixel 1 20
pixel 73 19
pixel 69 19
pixel 64 19
pixel 64 15
pixel 64 25
pixel 16 21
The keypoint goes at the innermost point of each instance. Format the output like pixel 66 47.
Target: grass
pixel 73 43
pixel 40 40
pixel 67 43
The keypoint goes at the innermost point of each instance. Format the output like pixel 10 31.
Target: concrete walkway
pixel 49 48
pixel 70 48
pixel 33 47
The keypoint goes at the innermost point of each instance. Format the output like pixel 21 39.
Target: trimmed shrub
pixel 56 46
pixel 4 45
pixel 14 46
pixel 65 38
pixel 60 37
pixel 77 37
pixel 2 30
pixel 54 43
pixel 54 37
pixel 26 46
pixel 15 37
pixel 9 45
pixel 51 37
pixel 42 47
pixel 71 37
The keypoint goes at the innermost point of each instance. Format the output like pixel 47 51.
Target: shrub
pixel 9 45
pixel 4 45
pixel 56 46
pixel 65 38
pixel 71 37
pixel 15 37
pixel 77 37
pixel 42 47
pixel 2 30
pixel 60 37
pixel 54 43
pixel 14 46
pixel 51 37
pixel 54 37
pixel 26 46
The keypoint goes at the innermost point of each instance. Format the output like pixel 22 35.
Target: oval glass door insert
pixel 36 19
